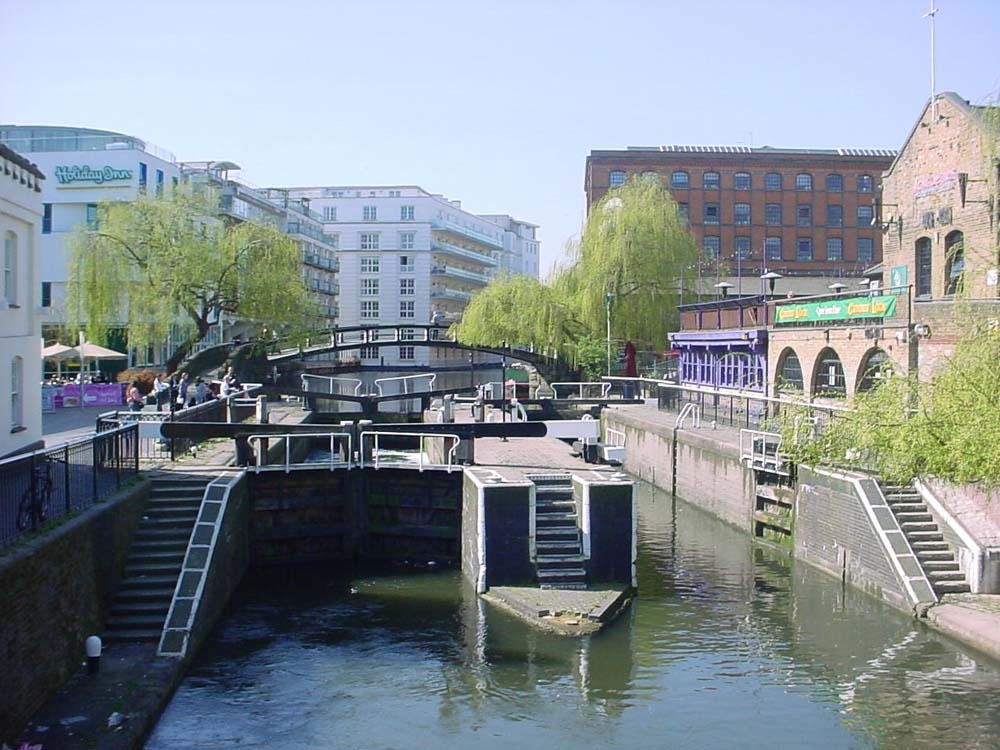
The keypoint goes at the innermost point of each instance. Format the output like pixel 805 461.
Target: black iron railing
pixel 41 487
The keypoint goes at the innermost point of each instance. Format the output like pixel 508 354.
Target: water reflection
pixel 728 644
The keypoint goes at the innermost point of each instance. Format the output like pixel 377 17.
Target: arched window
pixel 711 181
pixel 10 268
pixel 924 266
pixel 828 378
pixel 954 262
pixel 835 183
pixel 790 373
pixel 803 181
pixel 873 370
pixel 680 179
pixel 16 393
pixel 772 181
pixel 616 178
pixel 742 181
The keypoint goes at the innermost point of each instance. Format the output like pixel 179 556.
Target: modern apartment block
pixel 20 352
pixel 797 212
pixel 407 255
pixel 85 167
pixel 520 255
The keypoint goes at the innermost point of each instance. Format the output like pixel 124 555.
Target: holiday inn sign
pixel 68 175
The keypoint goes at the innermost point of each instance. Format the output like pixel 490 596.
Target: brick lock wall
pixel 54 593
pixel 924 180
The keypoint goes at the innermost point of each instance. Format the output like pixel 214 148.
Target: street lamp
pixel 724 287
pixel 770 277
pixel 607 319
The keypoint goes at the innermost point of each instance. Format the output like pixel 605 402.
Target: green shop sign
pixel 68 175
pixel 855 308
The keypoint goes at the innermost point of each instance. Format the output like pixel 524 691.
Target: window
pixel 369 310
pixel 954 262
pixel 803 215
pixel 804 249
pixel 369 352
pixel 407 352
pixel 874 370
pixel 742 181
pixel 406 240
pixel 406 264
pixel 407 334
pixel 835 183
pixel 159 182
pixel 741 213
pixel 142 176
pixel 46 294
pixel 10 268
pixel 369 241
pixel 406 213
pixel 616 178
pixel 680 180
pixel 772 181
pixel 835 216
pixel 369 287
pixel 46 218
pixel 865 183
pixel 406 288
pixel 865 216
pixel 803 182
pixel 333 240
pixel 330 213
pixel 790 372
pixel 711 213
pixel 834 248
pixel 711 180
pixel 16 391
pixel 829 380
pixel 712 246
pixel 866 250
pixel 369 213
pixel 406 310
pixel 741 248
pixel 369 265
pixel 92 220
pixel 772 248
pixel 772 214
pixel 684 212
pixel 924 267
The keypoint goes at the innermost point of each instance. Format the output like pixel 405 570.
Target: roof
pixel 763 150
pixel 11 155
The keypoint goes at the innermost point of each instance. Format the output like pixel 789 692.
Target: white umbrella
pixel 86 350
pixel 59 353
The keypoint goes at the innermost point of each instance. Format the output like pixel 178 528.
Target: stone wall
pixel 54 592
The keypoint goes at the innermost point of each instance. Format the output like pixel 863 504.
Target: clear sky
pixel 493 103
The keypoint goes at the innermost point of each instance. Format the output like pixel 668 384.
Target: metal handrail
pixel 762 450
pixel 374 435
pixel 261 459
pixel 405 379
pixel 331 381
pixel 689 409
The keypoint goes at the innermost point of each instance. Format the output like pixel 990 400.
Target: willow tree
pixel 636 247
pixel 162 262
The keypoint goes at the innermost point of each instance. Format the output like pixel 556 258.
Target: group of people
pixel 180 392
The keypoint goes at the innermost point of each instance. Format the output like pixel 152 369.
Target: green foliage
pixel 905 428
pixel 163 261
pixel 591 357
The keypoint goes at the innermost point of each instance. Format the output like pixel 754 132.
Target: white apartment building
pixel 85 167
pixel 520 245
pixel 406 255
pixel 20 333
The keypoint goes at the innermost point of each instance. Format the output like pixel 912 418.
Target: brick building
pixel 798 212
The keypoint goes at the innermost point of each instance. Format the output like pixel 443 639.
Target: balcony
pixel 460 273
pixel 440 246
pixel 452 294
pixel 467 233
pixel 325 287
pixel 308 230
pixel 318 261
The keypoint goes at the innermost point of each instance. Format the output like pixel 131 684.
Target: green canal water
pixel 727 645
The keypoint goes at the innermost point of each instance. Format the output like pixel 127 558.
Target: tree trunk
pixel 181 352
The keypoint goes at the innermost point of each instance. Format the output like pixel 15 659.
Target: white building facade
pixel 520 245
pixel 21 186
pixel 85 167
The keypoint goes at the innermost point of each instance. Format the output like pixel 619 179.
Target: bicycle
pixel 35 500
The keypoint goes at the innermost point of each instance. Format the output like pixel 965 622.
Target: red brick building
pixel 798 212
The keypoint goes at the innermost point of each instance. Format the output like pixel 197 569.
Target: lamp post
pixel 837 287
pixel 770 277
pixel 607 319
pixel 724 287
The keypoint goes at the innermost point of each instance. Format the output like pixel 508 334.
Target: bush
pixel 144 376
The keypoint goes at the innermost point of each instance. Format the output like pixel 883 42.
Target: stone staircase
pixel 935 555
pixel 139 609
pixel 559 561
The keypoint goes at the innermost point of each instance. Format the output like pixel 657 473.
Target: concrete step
pixel 154 555
pixel 554 562
pixel 144 582
pixel 914 516
pixel 557 534
pixel 913 527
pixel 942 576
pixel 153 523
pixel 156 546
pixel 556 547
pixel 924 536
pixel 161 533
pixel 556 505
pixel 937 554
pixel 908 508
pixel 172 511
pixel 133 635
pixel 566 585
pixel 950 587
pixel 136 622
pixel 148 594
pixel 552 574
pixel 153 568
pixel 938 565
pixel 140 608
pixel 554 517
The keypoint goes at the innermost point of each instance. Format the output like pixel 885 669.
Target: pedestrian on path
pixel 133 397
pixel 161 391
pixel 182 391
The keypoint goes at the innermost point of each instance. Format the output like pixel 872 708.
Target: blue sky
pixel 494 103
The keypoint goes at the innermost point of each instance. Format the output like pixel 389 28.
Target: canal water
pixel 727 645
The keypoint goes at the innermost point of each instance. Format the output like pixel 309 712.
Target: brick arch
pixel 827 378
pixel 783 358
pixel 874 357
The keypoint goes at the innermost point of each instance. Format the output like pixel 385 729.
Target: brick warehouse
pixel 798 212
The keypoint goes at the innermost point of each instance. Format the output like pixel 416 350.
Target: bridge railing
pixel 340 445
pixel 39 487
pixel 593 389
pixel 405 382
pixel 331 386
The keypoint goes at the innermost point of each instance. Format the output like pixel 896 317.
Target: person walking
pixel 161 391
pixel 182 390
pixel 133 398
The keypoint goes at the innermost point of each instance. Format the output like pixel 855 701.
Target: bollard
pixel 93 646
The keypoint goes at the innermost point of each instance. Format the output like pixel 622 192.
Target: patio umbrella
pixel 59 353
pixel 86 350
